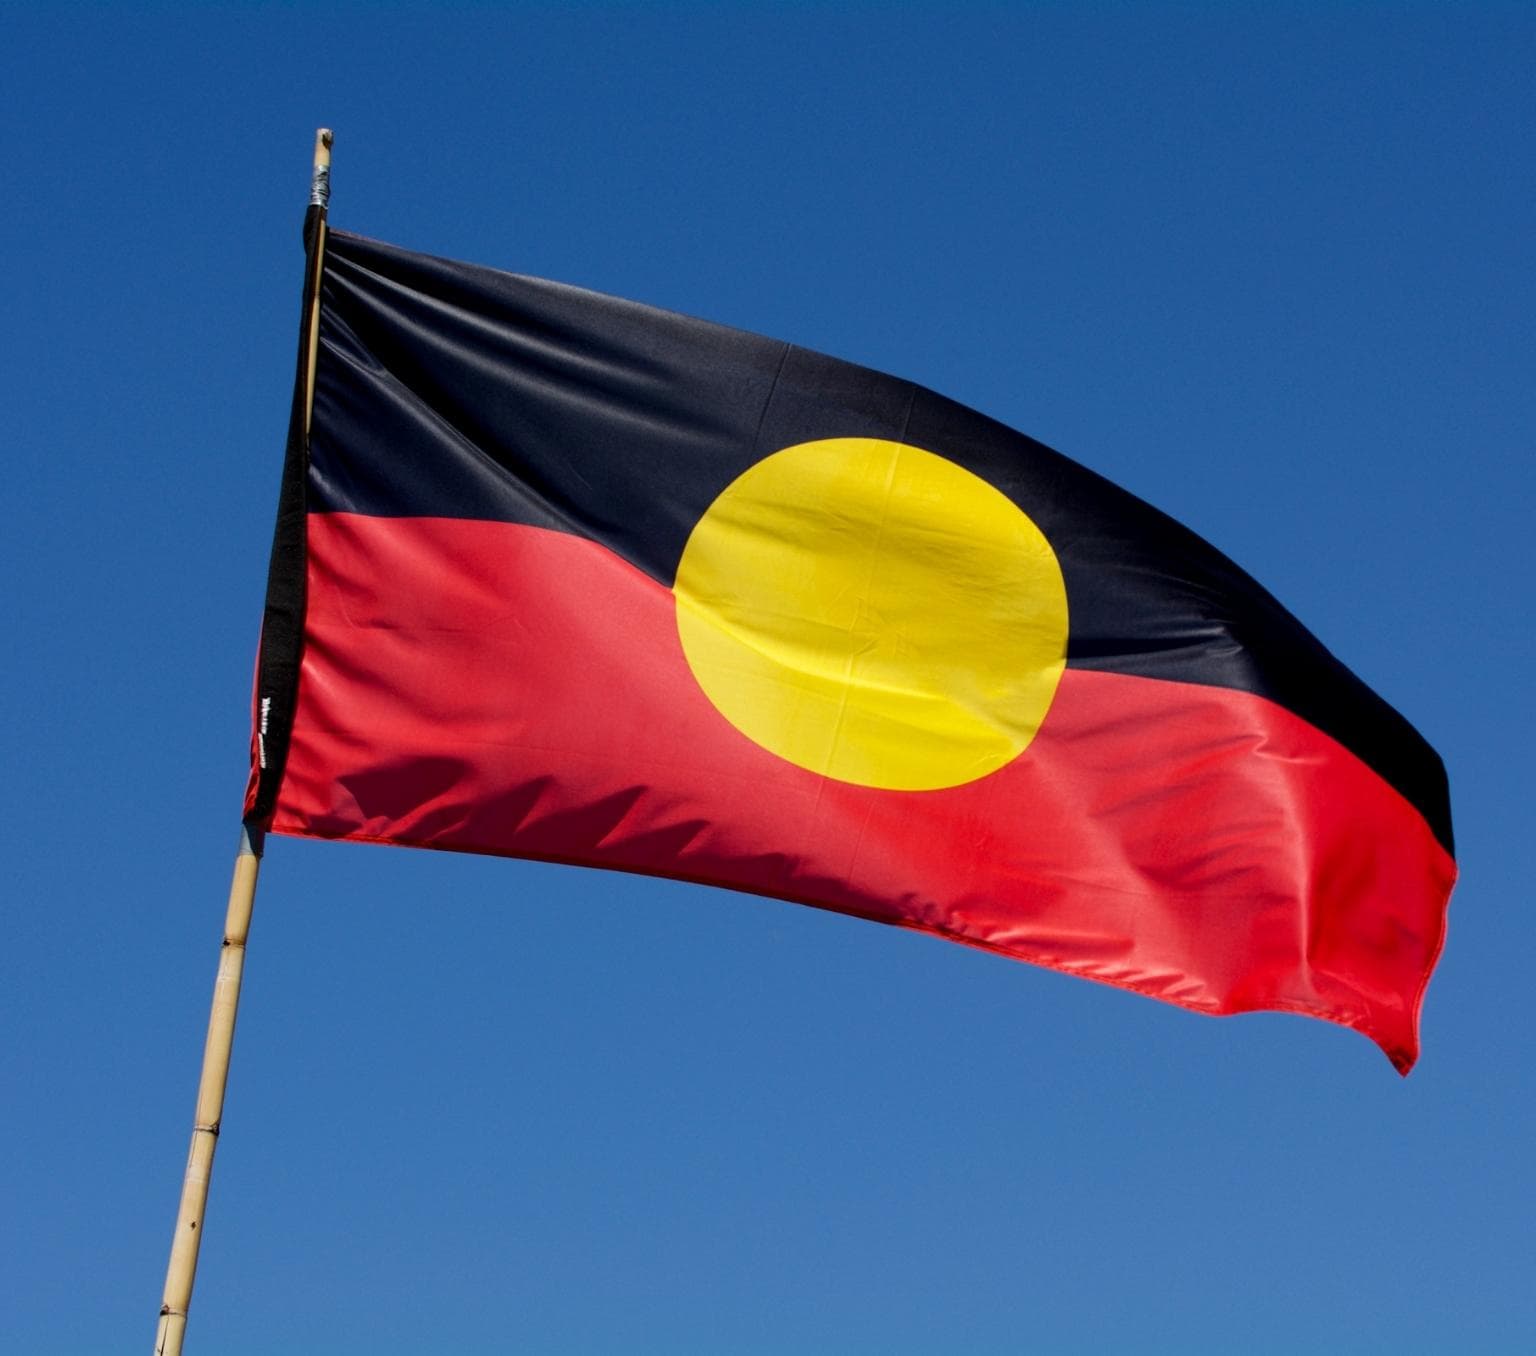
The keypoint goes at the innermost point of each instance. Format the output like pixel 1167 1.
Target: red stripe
pixel 486 687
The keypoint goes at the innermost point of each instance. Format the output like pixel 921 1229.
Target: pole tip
pixel 320 184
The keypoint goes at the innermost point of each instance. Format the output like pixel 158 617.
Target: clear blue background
pixel 1268 266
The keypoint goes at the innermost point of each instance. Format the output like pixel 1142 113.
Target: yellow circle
pixel 874 613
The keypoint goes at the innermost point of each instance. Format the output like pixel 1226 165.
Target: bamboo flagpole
pixel 182 1268
pixel 210 1100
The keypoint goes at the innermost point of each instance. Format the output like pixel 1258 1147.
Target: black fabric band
pixel 282 626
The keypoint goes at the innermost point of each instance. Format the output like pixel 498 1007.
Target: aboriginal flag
pixel 566 577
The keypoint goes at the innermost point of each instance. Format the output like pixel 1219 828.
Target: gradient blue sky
pixel 1268 266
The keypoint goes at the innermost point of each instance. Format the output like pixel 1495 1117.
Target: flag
pixel 566 577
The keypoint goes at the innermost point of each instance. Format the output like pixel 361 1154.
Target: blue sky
pixel 1267 266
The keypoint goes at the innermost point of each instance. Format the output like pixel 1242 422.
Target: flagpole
pixel 182 1268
